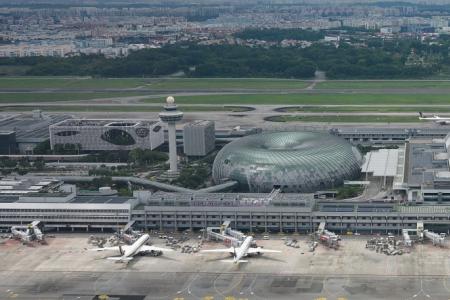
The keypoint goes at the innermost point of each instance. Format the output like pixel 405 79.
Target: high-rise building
pixel 199 138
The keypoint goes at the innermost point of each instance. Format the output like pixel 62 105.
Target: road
pixel 213 286
pixel 225 119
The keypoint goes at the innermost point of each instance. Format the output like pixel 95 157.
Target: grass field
pixel 313 99
pixel 18 82
pixel 150 83
pixel 69 83
pixel 106 108
pixel 344 119
pixel 50 97
pixel 245 99
pixel 387 84
pixel 227 83
pixel 381 109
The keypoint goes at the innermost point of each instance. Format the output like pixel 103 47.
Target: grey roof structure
pixel 200 199
pixel 383 131
pixel 292 161
pixel 422 165
pixel 29 129
pixel 76 199
pixel 106 122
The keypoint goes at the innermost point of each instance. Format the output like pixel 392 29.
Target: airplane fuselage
pixel 243 249
pixel 134 248
pixel 437 119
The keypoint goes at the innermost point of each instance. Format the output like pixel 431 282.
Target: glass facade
pixel 292 161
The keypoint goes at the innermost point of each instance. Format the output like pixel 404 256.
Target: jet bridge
pixel 128 226
pixel 406 238
pixel 435 238
pixel 420 234
pixel 330 239
pixel 28 233
pixel 230 237
pixel 127 234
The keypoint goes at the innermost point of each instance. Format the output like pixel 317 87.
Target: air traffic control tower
pixel 171 115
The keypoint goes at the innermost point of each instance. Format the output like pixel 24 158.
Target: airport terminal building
pixel 292 213
pixel 104 135
pixel 419 170
pixel 61 208
pixel 21 133
pixel 285 213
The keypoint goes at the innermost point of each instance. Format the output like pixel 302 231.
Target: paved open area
pixel 65 269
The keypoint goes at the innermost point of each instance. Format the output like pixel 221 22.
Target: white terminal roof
pixel 16 192
pixel 35 187
pixel 23 186
pixel 381 163
pixel 443 174
pixel 10 182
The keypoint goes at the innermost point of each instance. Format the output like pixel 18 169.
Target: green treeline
pixel 380 59
pixel 193 60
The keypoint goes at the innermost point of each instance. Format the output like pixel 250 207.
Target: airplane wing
pixel 120 258
pixel 227 250
pixel 261 250
pixel 234 261
pixel 116 248
pixel 145 248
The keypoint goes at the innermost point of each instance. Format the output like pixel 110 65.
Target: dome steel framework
pixel 293 161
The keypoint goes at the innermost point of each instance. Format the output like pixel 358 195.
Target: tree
pixel 146 157
pixel 39 164
pixel 102 181
pixel 192 177
pixel 42 148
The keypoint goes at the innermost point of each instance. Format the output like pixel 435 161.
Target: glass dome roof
pixel 293 161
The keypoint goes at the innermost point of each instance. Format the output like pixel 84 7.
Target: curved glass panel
pixel 294 161
pixel 67 133
pixel 118 137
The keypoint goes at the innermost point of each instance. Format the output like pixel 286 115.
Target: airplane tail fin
pixel 420 114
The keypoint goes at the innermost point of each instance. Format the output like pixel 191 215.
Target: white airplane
pixel 242 251
pixel 435 118
pixel 127 252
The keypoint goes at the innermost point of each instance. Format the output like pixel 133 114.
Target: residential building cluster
pixel 116 31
